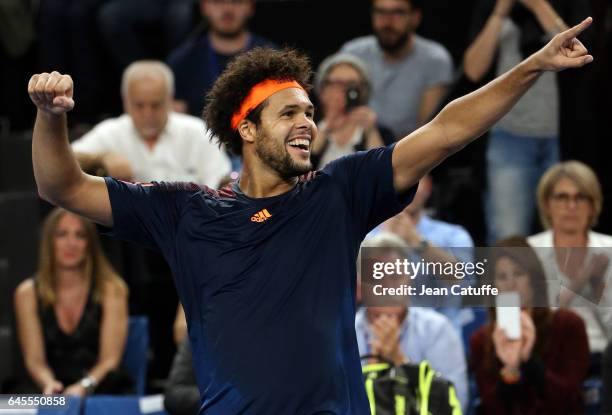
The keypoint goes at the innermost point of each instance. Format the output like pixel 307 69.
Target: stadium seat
pixel 474 402
pixel 472 319
pixel 136 352
pixel 124 405
pixel 592 389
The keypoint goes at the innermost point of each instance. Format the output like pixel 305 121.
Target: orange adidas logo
pixel 261 216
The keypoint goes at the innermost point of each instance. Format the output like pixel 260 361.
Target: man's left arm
pixel 467 118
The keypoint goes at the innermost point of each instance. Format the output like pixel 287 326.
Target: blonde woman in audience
pixel 542 372
pixel 72 316
pixel 570 202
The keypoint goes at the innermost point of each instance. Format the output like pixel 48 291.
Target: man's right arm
pixel 58 176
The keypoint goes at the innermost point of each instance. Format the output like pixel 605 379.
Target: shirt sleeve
pixel 146 213
pixel 215 164
pixel 91 143
pixel 347 48
pixel 440 70
pixel 488 381
pixel 460 243
pixel 366 182
pixel 445 353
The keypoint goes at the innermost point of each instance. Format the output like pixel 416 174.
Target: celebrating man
pixel 265 268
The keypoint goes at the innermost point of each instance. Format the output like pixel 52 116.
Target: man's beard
pixel 276 156
pixel 392 44
pixel 229 34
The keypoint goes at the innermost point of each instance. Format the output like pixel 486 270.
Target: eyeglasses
pixel 394 13
pixel 565 198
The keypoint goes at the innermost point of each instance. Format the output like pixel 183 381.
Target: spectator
pixel 543 371
pixel 409 73
pixel 570 202
pixel 182 396
pixel 150 141
pixel 402 334
pixel 606 393
pixel 121 23
pixel 200 60
pixel 347 124
pixel 72 316
pixel 434 241
pixel 525 142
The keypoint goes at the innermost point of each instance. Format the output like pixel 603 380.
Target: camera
pixel 353 98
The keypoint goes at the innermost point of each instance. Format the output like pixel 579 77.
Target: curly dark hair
pixel 235 83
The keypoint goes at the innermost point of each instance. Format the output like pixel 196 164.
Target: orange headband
pixel 258 94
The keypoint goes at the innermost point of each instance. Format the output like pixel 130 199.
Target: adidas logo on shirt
pixel 261 216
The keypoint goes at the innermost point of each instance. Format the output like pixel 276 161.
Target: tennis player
pixel 265 267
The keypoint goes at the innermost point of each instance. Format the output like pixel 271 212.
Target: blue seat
pixel 592 388
pixel 473 319
pixel 124 405
pixel 474 397
pixel 136 352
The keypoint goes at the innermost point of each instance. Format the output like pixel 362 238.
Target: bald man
pixel 149 141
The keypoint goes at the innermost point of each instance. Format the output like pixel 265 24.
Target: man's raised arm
pixel 467 118
pixel 59 178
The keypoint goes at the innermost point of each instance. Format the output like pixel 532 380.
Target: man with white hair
pixel 409 333
pixel 150 141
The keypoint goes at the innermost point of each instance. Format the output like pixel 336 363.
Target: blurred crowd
pixel 142 69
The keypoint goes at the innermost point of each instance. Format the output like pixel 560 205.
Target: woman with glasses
pixel 578 268
pixel 348 124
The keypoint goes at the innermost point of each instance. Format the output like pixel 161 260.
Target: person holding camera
pixel 348 124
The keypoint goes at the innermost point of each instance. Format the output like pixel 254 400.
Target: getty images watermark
pixel 397 276
pixel 399 268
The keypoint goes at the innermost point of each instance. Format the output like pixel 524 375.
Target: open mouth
pixel 301 145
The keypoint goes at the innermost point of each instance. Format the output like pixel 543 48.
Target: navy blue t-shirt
pixel 268 285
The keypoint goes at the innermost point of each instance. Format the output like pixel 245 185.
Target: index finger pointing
pixel 576 30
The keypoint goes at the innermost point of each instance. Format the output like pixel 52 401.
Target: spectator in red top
pixel 542 373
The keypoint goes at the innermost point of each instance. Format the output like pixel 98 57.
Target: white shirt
pixel 183 151
pixel 597 318
pixel 334 150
